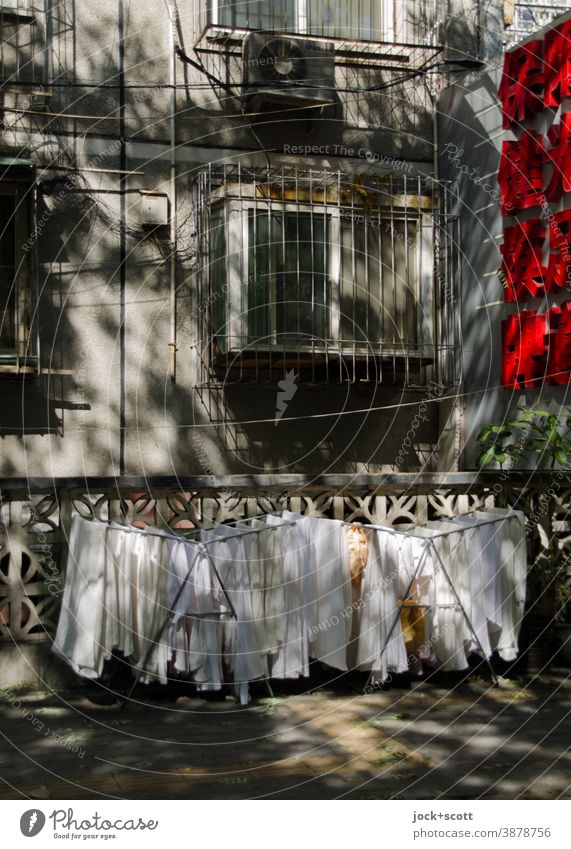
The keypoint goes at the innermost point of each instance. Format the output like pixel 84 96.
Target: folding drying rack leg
pixel 152 643
pixel 458 604
pixel 417 571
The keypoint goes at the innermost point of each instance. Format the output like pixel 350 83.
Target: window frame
pixel 17 9
pixel 392 21
pixel 237 272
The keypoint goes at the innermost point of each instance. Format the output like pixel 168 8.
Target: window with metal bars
pixel 325 271
pixel 318 281
pixel 368 20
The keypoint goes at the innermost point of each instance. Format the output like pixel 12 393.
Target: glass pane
pixel 302 281
pixel 287 280
pixel 413 309
pixel 259 14
pixel 346 282
pixel 375 294
pixel 352 19
pixel 361 287
pixel 399 282
pixel 7 271
pixel 259 279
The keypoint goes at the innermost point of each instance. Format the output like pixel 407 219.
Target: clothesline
pixel 163 534
pixel 116 526
pixel 438 534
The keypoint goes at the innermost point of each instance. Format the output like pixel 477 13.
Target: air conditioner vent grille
pixel 282 60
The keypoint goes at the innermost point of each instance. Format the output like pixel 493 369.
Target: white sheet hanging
pixel 195 643
pixel 198 639
pixel 80 636
pixel 292 660
pixel 181 560
pixel 149 606
pixel 513 578
pixel 273 591
pixel 379 607
pixel 308 567
pixel 327 593
pixel 449 632
pixel 245 656
pixel 255 565
pixel 485 585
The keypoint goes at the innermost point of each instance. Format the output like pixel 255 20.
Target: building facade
pixel 234 266
pixel 212 200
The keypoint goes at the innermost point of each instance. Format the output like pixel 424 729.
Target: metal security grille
pixel 320 272
pixel 351 20
pixel 531 15
pixel 21 42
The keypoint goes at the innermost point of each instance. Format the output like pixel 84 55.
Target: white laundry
pixel 114 545
pixel 149 606
pixel 381 645
pixel 292 660
pixel 409 553
pixel 256 570
pixel 513 578
pixel 273 595
pixel 308 566
pixel 483 547
pixel 329 596
pixel 288 582
pixel 182 597
pixel 80 636
pixel 450 634
pixel 246 655
pixel 202 652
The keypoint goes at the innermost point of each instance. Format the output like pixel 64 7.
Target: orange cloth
pixel 412 624
pixel 358 546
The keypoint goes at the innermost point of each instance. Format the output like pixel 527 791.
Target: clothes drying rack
pixel 202 548
pixel 428 545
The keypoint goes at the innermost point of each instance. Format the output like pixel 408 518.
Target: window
pixel 15 308
pixel 304 278
pixel 19 7
pixel 370 20
pixel 310 269
pixel 287 277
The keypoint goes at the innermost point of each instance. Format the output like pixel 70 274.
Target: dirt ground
pixel 432 739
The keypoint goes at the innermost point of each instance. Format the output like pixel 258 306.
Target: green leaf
pixel 484 433
pixel 528 415
pixel 487 457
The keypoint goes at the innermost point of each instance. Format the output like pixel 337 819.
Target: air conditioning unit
pixel 280 71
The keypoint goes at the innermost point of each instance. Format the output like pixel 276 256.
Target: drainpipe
pixel 122 239
pixel 173 211
pixel 449 413
pixel 440 322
